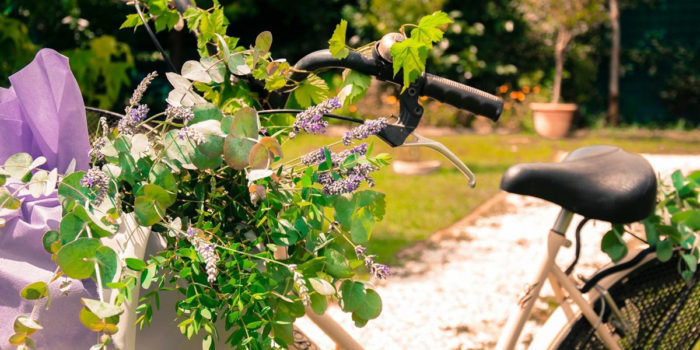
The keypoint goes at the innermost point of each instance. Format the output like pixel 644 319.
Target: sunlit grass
pixel 420 205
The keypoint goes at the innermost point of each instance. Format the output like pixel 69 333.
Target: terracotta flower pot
pixel 552 120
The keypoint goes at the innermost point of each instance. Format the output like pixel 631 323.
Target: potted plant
pixel 559 22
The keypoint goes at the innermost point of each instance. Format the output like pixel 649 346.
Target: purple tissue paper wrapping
pixel 43 114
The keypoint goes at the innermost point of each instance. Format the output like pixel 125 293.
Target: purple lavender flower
pixel 370 127
pixel 207 251
pixel 182 113
pixel 311 120
pixel 132 118
pixel 140 89
pixel 319 156
pixel 380 271
pixel 97 179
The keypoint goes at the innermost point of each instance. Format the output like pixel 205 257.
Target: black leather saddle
pixel 598 182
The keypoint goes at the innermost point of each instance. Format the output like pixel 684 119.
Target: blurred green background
pixel 491 45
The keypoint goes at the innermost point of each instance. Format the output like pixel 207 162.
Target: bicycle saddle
pixel 598 182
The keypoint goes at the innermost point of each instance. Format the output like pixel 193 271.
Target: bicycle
pixel 598 182
pixel 624 309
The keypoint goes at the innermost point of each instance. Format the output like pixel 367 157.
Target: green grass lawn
pixel 420 205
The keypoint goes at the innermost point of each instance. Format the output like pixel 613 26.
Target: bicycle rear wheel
pixel 661 309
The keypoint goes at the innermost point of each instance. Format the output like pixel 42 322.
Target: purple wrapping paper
pixel 43 114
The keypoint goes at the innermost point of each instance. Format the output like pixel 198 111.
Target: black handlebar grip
pixel 463 96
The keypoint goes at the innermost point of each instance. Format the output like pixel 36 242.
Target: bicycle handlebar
pixel 444 90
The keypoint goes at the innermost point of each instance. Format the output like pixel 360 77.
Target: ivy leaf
pixel 410 56
pixel 132 20
pixel 428 30
pixel 359 82
pixel 337 41
pixel 311 91
pixel 361 226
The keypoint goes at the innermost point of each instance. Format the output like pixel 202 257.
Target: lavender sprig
pixel 182 113
pixel 97 179
pixel 311 120
pixel 319 156
pixel 301 284
pixel 193 135
pixel 207 251
pixel 379 271
pixel 140 89
pixel 132 118
pixel 370 127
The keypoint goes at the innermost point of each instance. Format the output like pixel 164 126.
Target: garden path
pixel 457 288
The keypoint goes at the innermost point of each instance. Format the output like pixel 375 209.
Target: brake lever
pixel 422 141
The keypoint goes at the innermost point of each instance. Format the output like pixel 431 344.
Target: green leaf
pixel 76 258
pixel 132 20
pixel 263 43
pixel 427 31
pixel 690 218
pixel 361 226
pixel 48 240
pixel 321 286
pixel 36 290
pixel 353 294
pixel 650 230
pixel 664 250
pixel 162 176
pixel 7 201
pixel 319 303
pixel 337 41
pixel 205 111
pixel 371 306
pixel 70 227
pixel 691 261
pixel 359 322
pixel 101 309
pixel 236 63
pixel 246 123
pixel 410 56
pixel 336 264
pixel 107 261
pixel 311 91
pixel 360 84
pixel 151 204
pixel 147 277
pixel 24 324
pixel 18 165
pixel 614 246
pixel 90 320
pixel 236 151
pixel 135 264
pixel 282 328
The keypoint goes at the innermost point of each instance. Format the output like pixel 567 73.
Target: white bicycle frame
pixel 563 286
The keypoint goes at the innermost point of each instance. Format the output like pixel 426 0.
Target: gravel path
pixel 457 292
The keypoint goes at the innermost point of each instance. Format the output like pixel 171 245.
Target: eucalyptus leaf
pixel 216 69
pixel 7 201
pixel 107 261
pixel 353 294
pixel 194 70
pixel 321 286
pixel 101 309
pixel 178 81
pixel 49 239
pixel 76 257
pixel 236 151
pixel 371 306
pixel 18 165
pixel 36 290
pixel 246 123
pixel 236 63
pixel 259 157
pixel 614 246
pixel 336 264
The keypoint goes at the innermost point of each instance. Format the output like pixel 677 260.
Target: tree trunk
pixel 613 86
pixel 563 37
